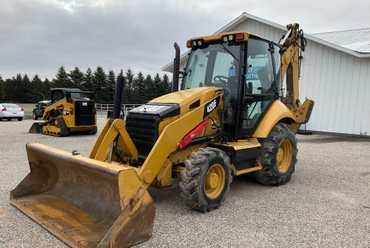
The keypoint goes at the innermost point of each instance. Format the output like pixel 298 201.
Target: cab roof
pixel 219 36
pixel 67 89
pixel 235 36
pixel 70 90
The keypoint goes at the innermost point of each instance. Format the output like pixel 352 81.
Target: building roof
pixel 244 16
pixel 356 39
pixel 359 47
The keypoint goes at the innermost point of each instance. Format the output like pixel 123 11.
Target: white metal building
pixel 335 73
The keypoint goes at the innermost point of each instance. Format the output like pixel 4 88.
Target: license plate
pixel 84 104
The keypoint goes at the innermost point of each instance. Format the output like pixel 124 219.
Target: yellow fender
pixel 278 111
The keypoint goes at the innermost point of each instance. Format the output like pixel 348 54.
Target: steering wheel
pixel 222 82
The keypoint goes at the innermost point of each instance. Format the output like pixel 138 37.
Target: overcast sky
pixel 38 36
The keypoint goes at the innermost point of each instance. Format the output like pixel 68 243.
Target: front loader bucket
pixel 36 127
pixel 84 202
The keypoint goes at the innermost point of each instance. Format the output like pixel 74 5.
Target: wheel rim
pixel 214 181
pixel 284 156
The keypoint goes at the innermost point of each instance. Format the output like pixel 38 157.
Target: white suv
pixel 11 111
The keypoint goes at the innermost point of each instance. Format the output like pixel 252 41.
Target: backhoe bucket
pixel 85 202
pixel 36 127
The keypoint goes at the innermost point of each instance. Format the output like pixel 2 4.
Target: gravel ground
pixel 326 204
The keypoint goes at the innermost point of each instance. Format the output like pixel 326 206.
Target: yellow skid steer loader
pixel 71 111
pixel 237 113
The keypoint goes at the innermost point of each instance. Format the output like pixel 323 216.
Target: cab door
pixel 259 83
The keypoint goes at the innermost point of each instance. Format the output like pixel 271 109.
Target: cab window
pixel 260 87
pixel 260 74
pixel 57 95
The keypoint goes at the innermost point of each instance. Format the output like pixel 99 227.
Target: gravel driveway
pixel 326 204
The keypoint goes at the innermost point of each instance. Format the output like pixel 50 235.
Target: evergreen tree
pixel 9 88
pixel 139 88
pixel 62 80
pixel 76 77
pixel 167 85
pixel 121 78
pixel 35 92
pixel 36 79
pixel 111 83
pixel 149 88
pixel 157 83
pixel 17 88
pixel 24 89
pixel 129 94
pixel 88 80
pixel 2 91
pixel 26 79
pixel 99 84
pixel 46 85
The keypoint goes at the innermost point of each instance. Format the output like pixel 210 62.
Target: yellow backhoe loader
pixel 71 111
pixel 237 113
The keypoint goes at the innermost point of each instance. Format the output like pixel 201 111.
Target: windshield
pixel 81 96
pixel 215 65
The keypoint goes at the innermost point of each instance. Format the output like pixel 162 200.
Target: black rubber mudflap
pixel 36 127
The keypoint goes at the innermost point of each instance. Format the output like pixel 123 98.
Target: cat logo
pixel 212 105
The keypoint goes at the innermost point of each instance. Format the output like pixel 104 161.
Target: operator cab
pixel 246 67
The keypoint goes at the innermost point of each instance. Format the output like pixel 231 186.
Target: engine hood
pixel 188 99
pixel 146 122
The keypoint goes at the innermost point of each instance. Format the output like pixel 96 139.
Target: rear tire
pixel 206 179
pixel 20 119
pixel 34 116
pixel 279 156
pixel 9 119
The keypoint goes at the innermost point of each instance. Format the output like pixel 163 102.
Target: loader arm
pixel 113 131
pixel 168 142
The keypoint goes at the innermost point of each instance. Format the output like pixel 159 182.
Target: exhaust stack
pixel 176 68
pixel 117 104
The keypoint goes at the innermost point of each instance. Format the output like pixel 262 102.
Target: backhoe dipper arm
pixel 292 45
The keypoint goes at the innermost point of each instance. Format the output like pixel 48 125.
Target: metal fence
pixel 103 108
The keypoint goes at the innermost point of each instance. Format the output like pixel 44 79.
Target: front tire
pixel 20 119
pixel 206 179
pixel 279 156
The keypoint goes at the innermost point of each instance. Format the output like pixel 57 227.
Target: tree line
pixel 138 88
